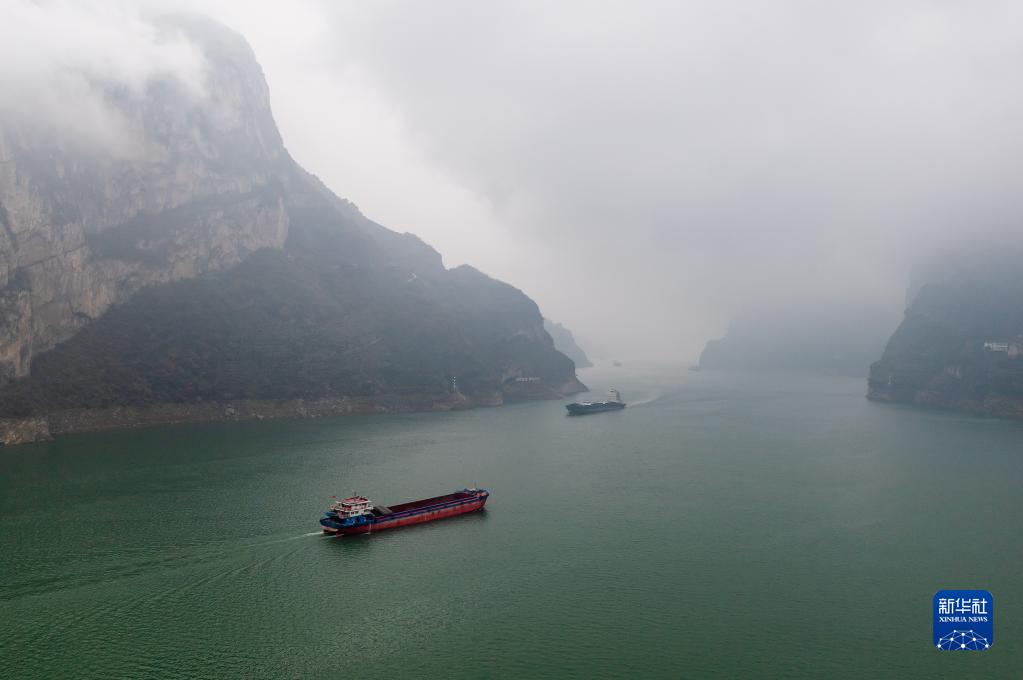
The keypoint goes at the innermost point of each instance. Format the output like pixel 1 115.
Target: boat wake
pixel 285 539
pixel 641 402
pixel 294 538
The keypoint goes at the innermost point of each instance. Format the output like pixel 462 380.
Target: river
pixel 721 526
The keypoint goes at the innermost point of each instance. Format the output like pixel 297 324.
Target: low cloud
pixel 646 172
pixel 62 62
pixel 665 166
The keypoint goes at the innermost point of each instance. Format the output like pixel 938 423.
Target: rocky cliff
pixel 193 186
pixel 195 272
pixel 960 345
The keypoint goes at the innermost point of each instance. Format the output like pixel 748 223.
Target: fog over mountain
pixel 646 172
pixel 175 264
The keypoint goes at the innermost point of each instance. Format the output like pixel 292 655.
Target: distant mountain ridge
pixel 565 343
pixel 206 276
pixel 838 340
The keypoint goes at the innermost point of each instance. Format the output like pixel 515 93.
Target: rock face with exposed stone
pixel 194 187
pixel 195 262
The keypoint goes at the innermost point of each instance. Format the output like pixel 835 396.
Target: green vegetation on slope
pixel 338 312
pixel 961 343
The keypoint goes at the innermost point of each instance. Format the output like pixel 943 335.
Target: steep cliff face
pixel 191 187
pixel 200 265
pixel 960 345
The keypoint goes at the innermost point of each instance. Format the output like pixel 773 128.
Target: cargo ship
pixel 357 515
pixel 612 403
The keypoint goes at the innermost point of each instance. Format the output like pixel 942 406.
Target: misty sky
pixel 645 171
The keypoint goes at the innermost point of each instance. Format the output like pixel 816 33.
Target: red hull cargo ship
pixel 357 515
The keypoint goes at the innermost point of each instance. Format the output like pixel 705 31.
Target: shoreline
pixel 1001 407
pixel 27 430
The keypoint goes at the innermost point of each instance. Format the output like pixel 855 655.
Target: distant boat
pixel 357 515
pixel 616 363
pixel 613 403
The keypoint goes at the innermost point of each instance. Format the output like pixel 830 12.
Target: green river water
pixel 721 526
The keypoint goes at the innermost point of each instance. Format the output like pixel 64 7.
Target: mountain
pixel 839 339
pixel 196 272
pixel 960 345
pixel 565 343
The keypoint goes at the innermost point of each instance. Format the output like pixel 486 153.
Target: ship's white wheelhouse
pixel 352 507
